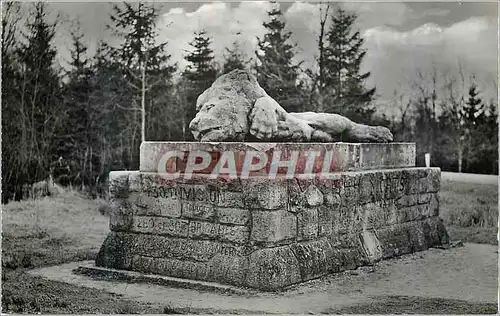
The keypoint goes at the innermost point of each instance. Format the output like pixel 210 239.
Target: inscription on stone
pixel 237 234
pixel 208 194
pixel 197 210
pixel 160 225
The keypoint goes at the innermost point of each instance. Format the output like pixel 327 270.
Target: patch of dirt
pixel 416 305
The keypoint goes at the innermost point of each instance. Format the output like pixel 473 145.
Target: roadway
pixel 469 178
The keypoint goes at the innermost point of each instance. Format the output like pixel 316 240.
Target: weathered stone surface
pixel 313 196
pixel 374 156
pixel 434 178
pixel 394 240
pixel 273 268
pixel 434 205
pixel 371 187
pixel 351 179
pixel 349 251
pixel 296 192
pixel 346 156
pixel 365 190
pixel 159 225
pixel 180 248
pixel 393 186
pixel 424 198
pixel 371 245
pixel 228 269
pixel 408 200
pixel 116 251
pixel 268 195
pixel 214 231
pixel 417 237
pixel 332 198
pixel 343 219
pixel 314 258
pixel 265 233
pixel 118 184
pixel 171 267
pixel 198 210
pixel 233 216
pixel 411 213
pixel 120 222
pixel 350 196
pixel 135 181
pixel 145 204
pixel 326 218
pixel 231 199
pixel 378 214
pixel 435 232
pixel 308 224
pixel 273 226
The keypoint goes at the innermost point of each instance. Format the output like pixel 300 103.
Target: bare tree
pixel 458 120
pixel 318 85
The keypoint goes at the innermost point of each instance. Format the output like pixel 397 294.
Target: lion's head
pixel 223 108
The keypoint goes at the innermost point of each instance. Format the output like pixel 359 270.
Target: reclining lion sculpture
pixel 236 108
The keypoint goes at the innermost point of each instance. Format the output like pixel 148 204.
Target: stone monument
pixel 267 198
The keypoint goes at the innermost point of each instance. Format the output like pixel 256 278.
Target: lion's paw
pixel 379 134
pixel 264 119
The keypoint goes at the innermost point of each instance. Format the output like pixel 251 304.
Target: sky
pixel 401 37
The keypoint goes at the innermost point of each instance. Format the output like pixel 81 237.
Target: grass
pixel 470 211
pixel 51 230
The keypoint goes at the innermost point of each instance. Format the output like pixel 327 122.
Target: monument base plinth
pixel 267 233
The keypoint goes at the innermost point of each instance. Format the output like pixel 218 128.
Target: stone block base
pixel 269 234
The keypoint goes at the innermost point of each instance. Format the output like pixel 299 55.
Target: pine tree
pixel 473 108
pixel 276 72
pixel 80 145
pixel 234 59
pixel 39 89
pixel 473 121
pixel 199 74
pixel 343 57
pixel 201 68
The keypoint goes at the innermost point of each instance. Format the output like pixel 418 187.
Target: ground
pixel 70 227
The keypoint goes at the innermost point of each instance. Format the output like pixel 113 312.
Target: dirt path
pixel 469 178
pixel 468 273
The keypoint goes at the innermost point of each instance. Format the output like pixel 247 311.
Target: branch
pixel 133 74
pixel 133 85
pixel 154 84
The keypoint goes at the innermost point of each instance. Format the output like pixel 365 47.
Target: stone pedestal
pixel 271 233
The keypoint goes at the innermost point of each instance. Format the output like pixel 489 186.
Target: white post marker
pixel 427 160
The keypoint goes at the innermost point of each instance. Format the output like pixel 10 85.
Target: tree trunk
pixel 460 159
pixel 143 102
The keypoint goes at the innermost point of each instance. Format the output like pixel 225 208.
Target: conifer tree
pixel 473 119
pixel 199 74
pixel 39 88
pixel 201 69
pixel 347 94
pixel 234 58
pixel 276 71
pixel 80 144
